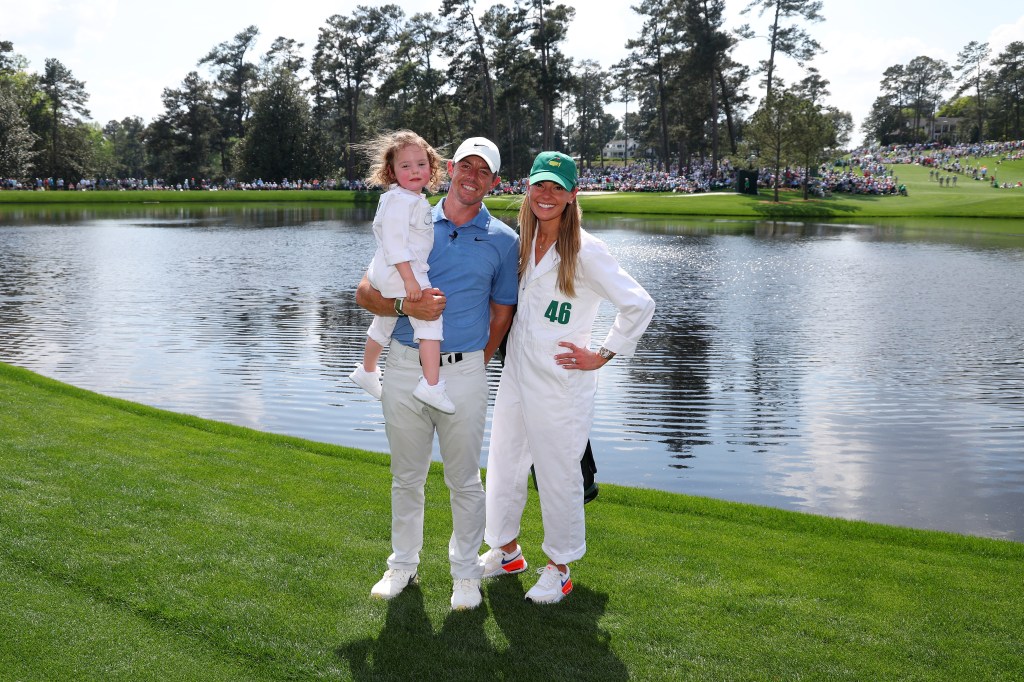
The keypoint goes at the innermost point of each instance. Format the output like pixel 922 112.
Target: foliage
pixel 774 132
pixel 277 143
pixel 60 102
pixel 182 139
pixel 501 72
pixel 234 76
pixel 128 140
pixel 790 39
pixel 16 138
pixel 348 54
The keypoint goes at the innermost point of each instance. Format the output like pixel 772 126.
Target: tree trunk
pixel 492 114
pixel 728 113
pixel 714 124
pixel 771 53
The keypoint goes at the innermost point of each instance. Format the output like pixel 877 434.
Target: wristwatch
pixel 398 306
pixel 605 353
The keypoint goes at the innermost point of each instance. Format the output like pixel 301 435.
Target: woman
pixel 545 402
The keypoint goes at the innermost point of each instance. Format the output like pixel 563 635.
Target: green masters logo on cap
pixel 556 167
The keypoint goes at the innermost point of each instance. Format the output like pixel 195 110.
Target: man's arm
pixel 429 307
pixel 501 320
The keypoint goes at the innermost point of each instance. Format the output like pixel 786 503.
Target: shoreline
pixel 990 209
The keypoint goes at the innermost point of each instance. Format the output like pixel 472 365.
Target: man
pixel 474 271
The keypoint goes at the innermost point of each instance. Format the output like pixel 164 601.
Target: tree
pixel 184 135
pixel 349 53
pixel 8 59
pixel 970 67
pixel 1006 86
pixel 590 94
pixel 283 53
pixel 127 140
pixel 650 62
pixel 773 132
pixel 16 139
pixel 910 95
pixel 813 134
pixel 410 94
pixel 276 143
pixel 469 69
pixel 515 77
pixel 549 28
pixel 791 40
pixel 233 76
pixel 886 120
pixel 926 79
pixel 63 96
pixel 842 124
pixel 709 47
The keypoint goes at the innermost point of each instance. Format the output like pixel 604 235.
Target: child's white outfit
pixel 404 230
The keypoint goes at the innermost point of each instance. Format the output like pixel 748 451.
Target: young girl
pixel 404 229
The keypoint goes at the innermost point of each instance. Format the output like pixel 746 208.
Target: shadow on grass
pixel 795 207
pixel 409 649
pixel 544 642
pixel 560 641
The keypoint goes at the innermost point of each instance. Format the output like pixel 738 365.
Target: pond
pixel 857 371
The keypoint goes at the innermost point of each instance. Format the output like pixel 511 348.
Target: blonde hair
pixel 381 150
pixel 567 244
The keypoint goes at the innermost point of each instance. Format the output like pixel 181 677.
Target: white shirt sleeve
pixel 634 305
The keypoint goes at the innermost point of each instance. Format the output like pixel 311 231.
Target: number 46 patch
pixel 559 313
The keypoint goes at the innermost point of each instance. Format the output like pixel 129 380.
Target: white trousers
pixel 383 326
pixel 542 416
pixel 410 426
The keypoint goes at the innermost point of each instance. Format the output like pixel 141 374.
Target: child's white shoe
pixel 434 396
pixel 368 381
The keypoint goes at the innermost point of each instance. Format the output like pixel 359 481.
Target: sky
pixel 128 52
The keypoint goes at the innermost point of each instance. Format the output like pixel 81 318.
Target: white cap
pixel 482 147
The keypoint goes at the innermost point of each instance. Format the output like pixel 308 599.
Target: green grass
pixel 970 199
pixel 194 197
pixel 137 544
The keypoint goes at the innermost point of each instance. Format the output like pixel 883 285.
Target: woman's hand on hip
pixel 578 357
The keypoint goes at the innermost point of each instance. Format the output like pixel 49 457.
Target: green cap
pixel 556 167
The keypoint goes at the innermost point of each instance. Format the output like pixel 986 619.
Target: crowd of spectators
pixel 947 163
pixel 864 171
pixel 642 177
pixel 159 184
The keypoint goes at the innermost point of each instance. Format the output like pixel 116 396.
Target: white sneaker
pixel 552 586
pixel 498 562
pixel 368 381
pixel 394 581
pixel 434 396
pixel 466 594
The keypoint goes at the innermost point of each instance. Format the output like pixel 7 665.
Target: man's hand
pixel 429 307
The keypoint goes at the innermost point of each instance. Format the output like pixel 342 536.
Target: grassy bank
pixel 926 199
pixel 181 197
pixel 139 544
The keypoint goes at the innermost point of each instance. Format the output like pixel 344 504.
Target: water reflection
pixel 844 370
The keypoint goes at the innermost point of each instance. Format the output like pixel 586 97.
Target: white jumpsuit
pixel 543 412
pixel 404 230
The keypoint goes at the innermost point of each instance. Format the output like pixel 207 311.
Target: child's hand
pixel 413 292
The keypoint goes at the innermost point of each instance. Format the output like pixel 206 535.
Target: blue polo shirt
pixel 473 264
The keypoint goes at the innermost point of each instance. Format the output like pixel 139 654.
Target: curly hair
pixel 380 152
